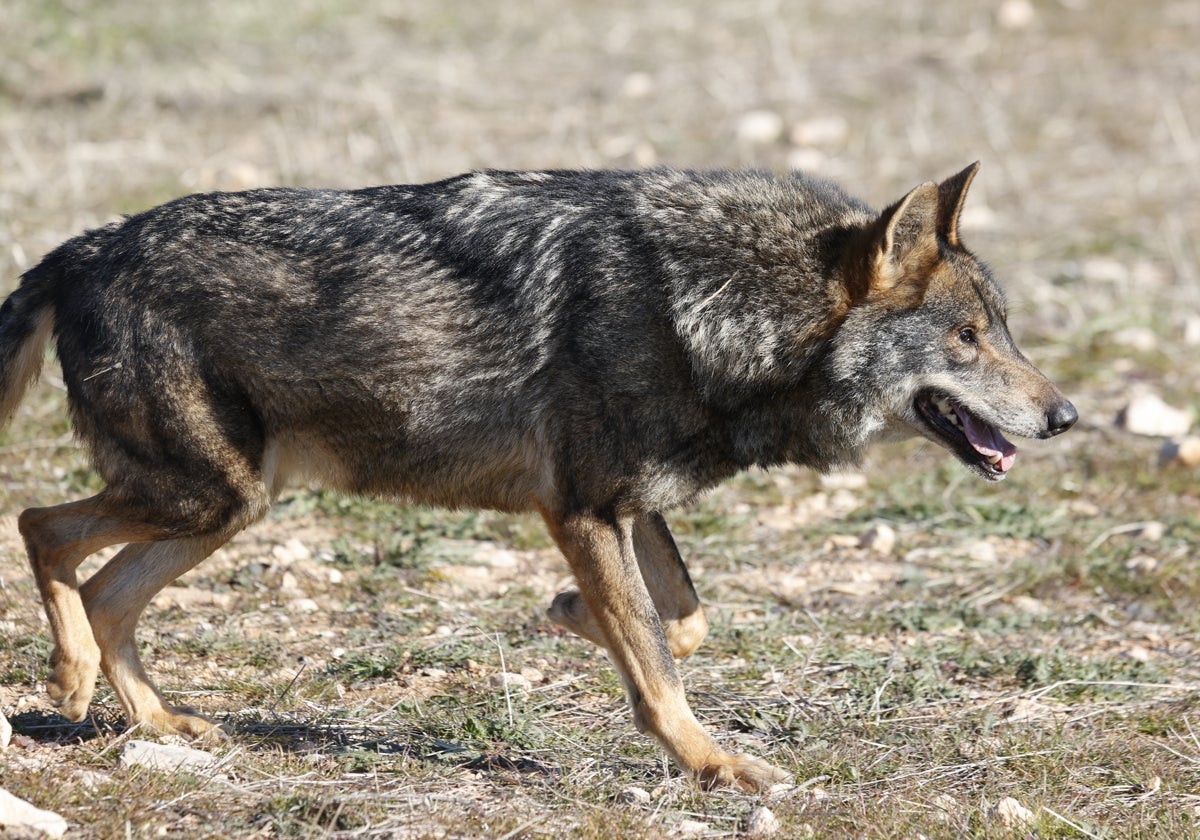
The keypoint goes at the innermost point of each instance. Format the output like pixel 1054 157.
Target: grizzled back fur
pixel 623 339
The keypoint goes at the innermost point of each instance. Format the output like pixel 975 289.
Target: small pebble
pixel 634 796
pixel 762 823
pixel 880 538
pixel 1010 813
pixel 1147 414
pixel 760 127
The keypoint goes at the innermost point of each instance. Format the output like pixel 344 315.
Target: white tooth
pixel 994 459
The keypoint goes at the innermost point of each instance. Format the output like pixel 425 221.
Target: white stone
pixel 691 827
pixel 760 127
pixel 820 131
pixel 1141 564
pixel 806 159
pixel 1147 414
pixel 1136 338
pixel 512 681
pixel 843 481
pixel 16 813
pixel 880 538
pixel 1191 330
pixel 946 808
pixel 304 605
pixel 166 758
pixel 1015 14
pixel 982 551
pixel 291 551
pixel 1183 452
pixel 5 732
pixel 762 823
pixel 1010 813
pixel 637 85
pixel 634 796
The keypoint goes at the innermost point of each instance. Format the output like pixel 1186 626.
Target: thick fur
pixel 596 346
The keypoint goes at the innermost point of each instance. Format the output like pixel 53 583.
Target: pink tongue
pixel 988 441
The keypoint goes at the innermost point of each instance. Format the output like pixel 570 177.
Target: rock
pixel 5 732
pixel 166 758
pixel 291 551
pixel 821 131
pixel 634 796
pixel 637 85
pixel 517 682
pixel 1136 338
pixel 1015 14
pixel 982 551
pixel 1151 531
pixel 1010 813
pixel 1191 330
pixel 946 808
pixel 806 160
pixel 780 791
pixel 493 555
pixel 1030 606
pixel 533 675
pixel 836 541
pixel 843 481
pixel 1183 452
pixel 304 605
pixel 762 823
pixel 880 538
pixel 1141 564
pixel 1146 414
pixel 815 795
pixel 91 779
pixel 691 827
pixel 16 813
pixel 760 127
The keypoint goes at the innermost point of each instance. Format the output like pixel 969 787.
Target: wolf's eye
pixel 967 335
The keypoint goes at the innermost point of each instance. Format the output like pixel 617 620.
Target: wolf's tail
pixel 26 320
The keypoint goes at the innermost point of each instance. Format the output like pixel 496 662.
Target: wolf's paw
pixel 569 610
pixel 185 722
pixel 751 774
pixel 71 684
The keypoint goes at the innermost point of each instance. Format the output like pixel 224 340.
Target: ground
pixel 1035 640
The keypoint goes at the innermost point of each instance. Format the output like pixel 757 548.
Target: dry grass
pixel 1018 641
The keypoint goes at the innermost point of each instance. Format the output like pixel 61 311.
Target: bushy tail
pixel 26 320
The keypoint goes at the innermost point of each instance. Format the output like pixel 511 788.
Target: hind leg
pixel 57 540
pixel 94 629
pixel 114 599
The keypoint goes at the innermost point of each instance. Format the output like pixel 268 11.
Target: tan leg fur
pixel 621 613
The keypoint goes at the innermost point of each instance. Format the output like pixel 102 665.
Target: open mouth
pixel 979 444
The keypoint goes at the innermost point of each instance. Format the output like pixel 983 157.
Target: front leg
pixel 600 552
pixel 667 580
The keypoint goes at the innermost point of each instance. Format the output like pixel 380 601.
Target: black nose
pixel 1061 418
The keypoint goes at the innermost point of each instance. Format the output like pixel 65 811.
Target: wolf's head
pixel 925 333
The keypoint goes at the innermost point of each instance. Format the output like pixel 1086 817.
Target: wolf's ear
pixel 951 194
pixel 904 243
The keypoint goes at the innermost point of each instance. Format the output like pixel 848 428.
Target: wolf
pixel 596 346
